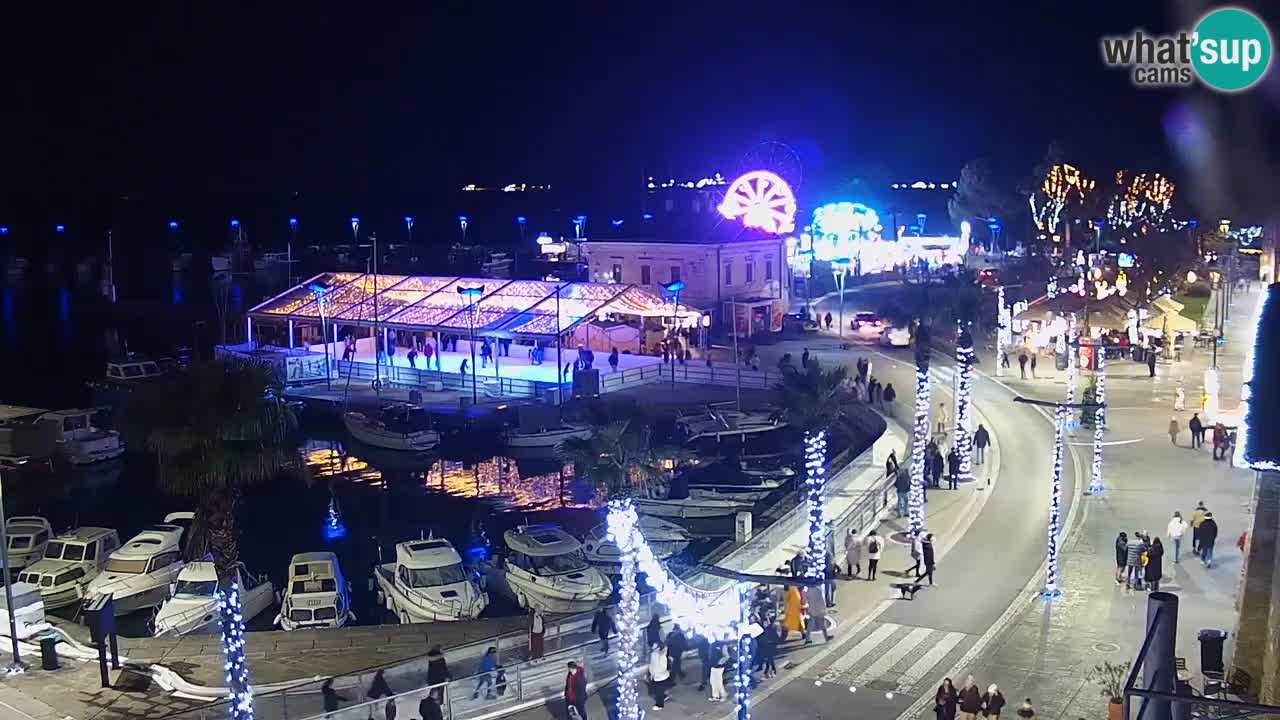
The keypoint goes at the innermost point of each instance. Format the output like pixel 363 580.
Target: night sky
pixel 302 108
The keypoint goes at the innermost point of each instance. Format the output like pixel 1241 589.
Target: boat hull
pixel 693 507
pixel 545 440
pixel 361 429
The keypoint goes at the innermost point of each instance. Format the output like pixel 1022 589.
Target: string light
pixel 621 528
pixel 1099 418
pixel 1252 452
pixel 1063 185
pixel 919 436
pixel 1004 330
pixel 237 670
pixel 1055 505
pixel 964 404
pixel 1071 359
pixel 742 693
pixel 815 455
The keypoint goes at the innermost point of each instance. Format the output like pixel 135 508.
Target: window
pixel 768 269
pixel 675 273
pixel 54 550
pixel 432 577
pixel 161 561
pixel 73 552
pixel 91 551
pixel 728 274
pixel 403 574
pixel 645 278
pixel 19 542
pixel 124 567
pixel 617 273
pixel 751 271
pixel 195 587
pixel 69 576
pixel 558 564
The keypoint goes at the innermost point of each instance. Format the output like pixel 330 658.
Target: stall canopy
pixel 1173 322
pixel 1111 313
pixel 504 308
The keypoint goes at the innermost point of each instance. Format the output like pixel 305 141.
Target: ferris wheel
pixel 761 199
pixel 778 158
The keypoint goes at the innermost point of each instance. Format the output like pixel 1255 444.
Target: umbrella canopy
pixel 1173 322
pixel 1166 304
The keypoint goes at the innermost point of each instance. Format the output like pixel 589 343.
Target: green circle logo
pixel 1231 49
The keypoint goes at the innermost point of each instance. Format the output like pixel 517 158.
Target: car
pixel 893 336
pixel 987 277
pixel 866 323
pixel 799 323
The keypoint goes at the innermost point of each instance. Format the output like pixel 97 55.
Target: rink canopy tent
pixel 504 308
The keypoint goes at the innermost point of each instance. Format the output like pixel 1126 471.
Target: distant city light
pixel 59 228
pixel 173 224
pixel 617 222
pixel 761 200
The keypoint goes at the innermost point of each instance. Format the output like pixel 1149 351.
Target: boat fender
pixel 382 598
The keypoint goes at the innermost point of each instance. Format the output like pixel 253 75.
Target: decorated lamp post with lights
pixel 840 270
pixel 579 226
pixel 674 288
pixel 471 294
pixel 462 225
pixel 964 403
pixel 920 431
pixel 321 292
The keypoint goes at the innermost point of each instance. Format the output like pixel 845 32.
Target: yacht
pixel 138 575
pixel 428 583
pixel 399 426
pixel 548 437
pixel 694 506
pixel 664 538
pixel 723 480
pixel 78 440
pixel 192 606
pixel 718 422
pixel 317 595
pixel 70 562
pixel 28 537
pixel 544 567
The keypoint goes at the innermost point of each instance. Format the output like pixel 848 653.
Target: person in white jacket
pixel 1177 528
pixel 659 675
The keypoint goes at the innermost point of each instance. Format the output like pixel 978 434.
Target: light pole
pixel 579 226
pixel 521 221
pixel 674 287
pixel 408 226
pixel 462 223
pixel 293 235
pixel 17 665
pixel 993 224
pixel 472 293
pixel 840 268
pixel 320 291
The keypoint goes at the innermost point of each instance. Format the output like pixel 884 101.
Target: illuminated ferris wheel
pixel 762 200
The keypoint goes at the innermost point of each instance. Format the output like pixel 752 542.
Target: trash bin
pixel 49 653
pixel 1211 642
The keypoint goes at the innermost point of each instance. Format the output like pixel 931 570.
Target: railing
pixel 719 374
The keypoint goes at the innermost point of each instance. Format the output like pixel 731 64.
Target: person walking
pixel 380 689
pixel 659 675
pixel 853 553
pixel 575 692
pixel 1176 529
pixel 1173 430
pixel 917 554
pixel 874 548
pixel 330 697
pixel 1208 536
pixel 1155 565
pixel 889 396
pixel 827 318
pixel 1197 519
pixel 653 632
pixel 1151 362
pixel 437 671
pixel 944 421
pixel 602 626
pixel 891 464
pixel 1033 366
pixel 945 700
pixel 953 469
pixel 429 709
pixel 768 649
pixel 1022 364
pixel 927 557
pixel 969 700
pixel 992 702
pixel 935 468
pixel 902 485
pixel 792 612
pixel 462 368
pixel 1197 430
pixel 412 356
pixel 427 353
pixel 613 359
pixel 804 358
pixel 677 644
pixel 981 439
pixel 1220 441
pixel 1122 555
pixel 486 352
pixel 719 659
pixel 488 664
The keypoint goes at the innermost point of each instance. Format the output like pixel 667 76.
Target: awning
pixel 1166 304
pixel 1173 322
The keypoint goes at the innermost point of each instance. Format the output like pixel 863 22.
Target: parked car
pixel 866 324
pixel 893 336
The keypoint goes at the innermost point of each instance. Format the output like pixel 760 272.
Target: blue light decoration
pixel 620 530
pixel 59 228
pixel 408 221
pixel 1099 419
pixel 173 224
pixel 522 220
pixel 646 216
pixel 240 694
pixel 1051 589
pixel 964 405
pixel 334 528
pixel 1072 351
pixel 815 460
pixel 4 229
pixel 293 223
pixel 1256 446
pixel 235 223
pixel 742 690
pixel 617 222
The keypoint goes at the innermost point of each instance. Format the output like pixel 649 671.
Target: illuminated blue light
pixel 355 220
pixel 521 219
pixel 59 228
pixel 4 229
pixel 235 222
pixel 647 216
pixel 408 221
pixel 462 218
pixel 617 222
pixel 293 222
pixel 173 224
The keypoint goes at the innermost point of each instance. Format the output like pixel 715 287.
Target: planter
pixel 1115 711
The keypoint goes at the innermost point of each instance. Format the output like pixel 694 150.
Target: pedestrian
pixel 1197 519
pixel 413 357
pixel 575 692
pixel 891 464
pixel 330 697
pixel 437 671
pixel 936 465
pixel 1197 430
pixel 953 469
pixel 981 439
pixel 792 612
pixel 567 372
pixel 347 349
pixel 768 645
pixel 944 422
pixel 653 633
pixel 462 369
pixel 902 484
pixel 429 708
pixel 1208 536
pixel 1122 555
pixel 969 700
pixel 602 626
pixel 1151 362
pixel 927 556
pixel 889 396
pixel 917 553
pixel 659 675
pixel 833 569
pixel 613 359
pixel 379 688
pixel 1026 711
pixel 488 664
pixel 992 702
pixel 537 633
pixel 804 358
pixel 429 352
pixel 1022 364
pixel 1004 359
pixel 945 700
pixel 853 553
pixel 1173 430
pixel 1033 366
pixel 677 644
pixel 1221 441
pixel 827 318
pixel 486 352
pixel 1155 564
pixel 719 659
pixel 500 680
pixel 1176 529
pixel 1133 561
pixel 873 554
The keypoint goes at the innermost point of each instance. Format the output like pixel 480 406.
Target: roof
pixel 429 553
pixel 541 540
pixel 311 557
pixel 1261 443
pixel 14 412
pixel 149 542
pixel 84 534
pixel 506 308
pixel 199 571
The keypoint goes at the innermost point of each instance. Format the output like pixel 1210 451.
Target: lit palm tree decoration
pixel 1140 200
pixel 920 431
pixel 213 430
pixel 812 401
pixel 1063 185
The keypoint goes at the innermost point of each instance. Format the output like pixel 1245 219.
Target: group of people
pixel 969 701
pixel 429 707
pixel 1222 441
pixel 1139 561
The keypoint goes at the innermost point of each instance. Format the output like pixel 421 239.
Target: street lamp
pixel 472 293
pixel 521 221
pixel 674 287
pixel 319 291
pixel 840 268
pixel 293 236
pixel 993 224
pixel 17 665
pixel 408 225
pixel 579 225
pixel 462 223
pixel 355 229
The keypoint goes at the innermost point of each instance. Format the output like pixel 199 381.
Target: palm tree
pixel 812 402
pixel 214 429
pixel 619 456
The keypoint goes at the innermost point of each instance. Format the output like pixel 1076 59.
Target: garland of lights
pixel 919 436
pixel 629 617
pixel 815 454
pixel 1004 331
pixel 964 405
pixel 1055 504
pixel 232 623
pixel 742 693
pixel 1071 359
pixel 1241 456
pixel 1099 418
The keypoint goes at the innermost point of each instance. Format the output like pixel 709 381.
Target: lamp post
pixel 17 665
pixel 674 287
pixel 993 224
pixel 293 235
pixel 839 269
pixel 462 223
pixel 408 226
pixel 319 291
pixel 472 293
pixel 355 229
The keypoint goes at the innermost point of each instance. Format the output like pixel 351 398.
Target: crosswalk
pixel 902 658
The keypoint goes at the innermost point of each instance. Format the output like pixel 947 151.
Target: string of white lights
pixel 240 693
pixel 1071 359
pixel 964 406
pixel 623 523
pixel 919 437
pixel 1099 418
pixel 815 455
pixel 1055 504
pixel 742 692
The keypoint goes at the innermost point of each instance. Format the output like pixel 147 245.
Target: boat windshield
pixel 405 420
pixel 196 587
pixel 125 567
pixel 431 577
pixel 558 564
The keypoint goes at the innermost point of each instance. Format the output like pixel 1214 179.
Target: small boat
pixel 428 583
pixel 125 375
pixel 70 562
pixel 663 538
pixel 695 506
pixel 78 440
pixel 543 567
pixel 545 437
pixel 724 480
pixel 28 537
pixel 192 606
pixel 137 576
pixel 316 596
pixel 400 426
pixel 718 422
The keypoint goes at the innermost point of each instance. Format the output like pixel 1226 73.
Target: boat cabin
pixel 544 550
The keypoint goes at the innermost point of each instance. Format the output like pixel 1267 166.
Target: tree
pixel 213 430
pixel 619 456
pixel 978 197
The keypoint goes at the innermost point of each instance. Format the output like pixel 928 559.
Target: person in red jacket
pixel 575 692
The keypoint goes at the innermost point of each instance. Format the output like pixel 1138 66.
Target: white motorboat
pixel 544 567
pixel 78 440
pixel 28 537
pixel 729 481
pixel 428 583
pixel 70 562
pixel 317 595
pixel 137 576
pixel 695 506
pixel 399 426
pixel 663 538
pixel 193 608
pixel 545 437
pixel 719 422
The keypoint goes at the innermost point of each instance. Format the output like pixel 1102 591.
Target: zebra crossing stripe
pixel 864 646
pixel 893 655
pixel 914 674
